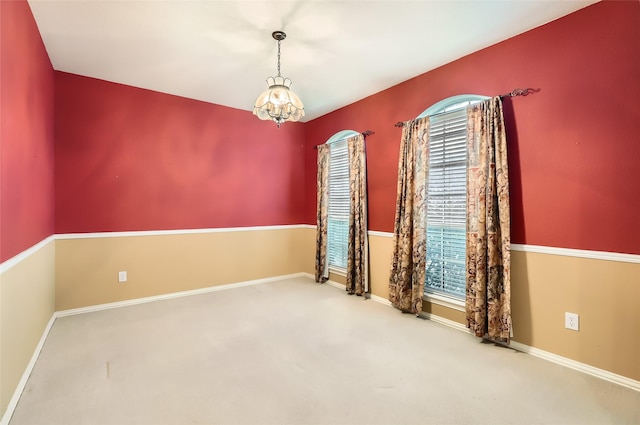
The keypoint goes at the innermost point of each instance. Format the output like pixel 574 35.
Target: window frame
pixel 338 137
pixel 449 104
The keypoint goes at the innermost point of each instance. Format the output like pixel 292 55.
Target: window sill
pixel 338 271
pixel 444 301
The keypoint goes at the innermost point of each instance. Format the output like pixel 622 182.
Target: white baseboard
pixel 328 282
pixel 27 372
pixel 11 407
pixel 172 295
pixel 336 285
pixel 554 358
pixel 581 367
pixel 375 298
pixel 381 300
pixel 446 322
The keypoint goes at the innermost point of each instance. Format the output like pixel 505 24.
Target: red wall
pixel 26 132
pixel 134 159
pixel 574 146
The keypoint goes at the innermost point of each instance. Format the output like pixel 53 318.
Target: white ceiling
pixel 336 52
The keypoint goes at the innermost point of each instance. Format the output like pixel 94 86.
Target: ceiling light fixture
pixel 278 103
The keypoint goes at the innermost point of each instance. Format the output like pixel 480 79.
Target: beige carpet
pixel 296 352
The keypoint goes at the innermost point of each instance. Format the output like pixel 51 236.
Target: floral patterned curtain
pixel 322 264
pixel 408 268
pixel 488 298
pixel 358 245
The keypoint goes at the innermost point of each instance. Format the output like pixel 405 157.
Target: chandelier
pixel 279 103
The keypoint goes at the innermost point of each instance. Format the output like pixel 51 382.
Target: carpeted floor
pixel 296 352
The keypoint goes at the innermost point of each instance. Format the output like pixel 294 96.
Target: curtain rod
pixel 520 92
pixel 512 93
pixel 364 133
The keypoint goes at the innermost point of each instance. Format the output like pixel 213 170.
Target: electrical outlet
pixel 122 277
pixel 571 321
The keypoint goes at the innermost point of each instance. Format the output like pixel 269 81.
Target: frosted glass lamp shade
pixel 278 103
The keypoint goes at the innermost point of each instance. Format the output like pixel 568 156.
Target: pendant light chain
pixel 279 58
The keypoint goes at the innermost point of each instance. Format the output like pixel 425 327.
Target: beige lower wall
pixel 444 312
pixel 87 268
pixel 27 304
pixel 380 251
pixel 81 272
pixel 604 293
pixel 380 254
pixel 544 286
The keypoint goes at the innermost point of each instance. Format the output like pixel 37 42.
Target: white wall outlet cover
pixel 122 276
pixel 571 321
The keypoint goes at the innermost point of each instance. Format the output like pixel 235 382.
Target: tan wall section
pixel 87 268
pixel 27 303
pixel 380 254
pixel 444 312
pixel 380 250
pixel 605 294
pixel 308 249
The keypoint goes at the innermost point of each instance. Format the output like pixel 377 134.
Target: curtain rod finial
pixel 520 92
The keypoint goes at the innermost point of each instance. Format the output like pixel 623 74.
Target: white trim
pixel 13 403
pixel 172 295
pixel 13 261
pixel 446 322
pixel 339 272
pixel 581 367
pixel 369 232
pixel 336 284
pixel 27 372
pixel 381 300
pixel 575 365
pixel 581 253
pixel 16 259
pixel 381 234
pixel 341 135
pixel 175 231
pixel 439 107
pixel 448 302
pixel 550 250
pixel 554 358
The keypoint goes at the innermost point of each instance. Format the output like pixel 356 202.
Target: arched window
pixel 447 196
pixel 339 198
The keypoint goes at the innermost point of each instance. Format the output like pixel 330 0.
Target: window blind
pixel 447 204
pixel 339 201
